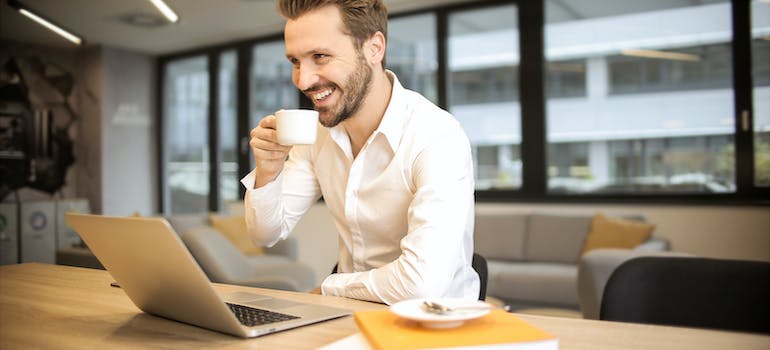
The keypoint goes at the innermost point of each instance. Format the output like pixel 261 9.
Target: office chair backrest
pixel 480 265
pixel 692 292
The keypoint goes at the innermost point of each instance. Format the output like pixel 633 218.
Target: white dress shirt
pixel 403 207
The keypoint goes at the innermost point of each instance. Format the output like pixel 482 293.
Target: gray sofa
pixel 221 260
pixel 533 257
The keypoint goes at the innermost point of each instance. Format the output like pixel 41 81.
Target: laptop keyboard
pixel 250 317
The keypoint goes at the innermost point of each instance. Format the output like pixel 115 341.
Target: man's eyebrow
pixel 310 52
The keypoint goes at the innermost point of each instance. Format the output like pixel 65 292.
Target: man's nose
pixel 305 77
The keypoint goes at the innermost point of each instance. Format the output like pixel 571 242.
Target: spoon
pixel 441 309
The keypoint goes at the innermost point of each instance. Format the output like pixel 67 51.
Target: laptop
pixel 153 266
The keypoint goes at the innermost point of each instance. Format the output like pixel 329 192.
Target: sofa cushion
pixel 234 228
pixel 500 236
pixel 556 238
pixel 614 232
pixel 533 283
pixel 183 222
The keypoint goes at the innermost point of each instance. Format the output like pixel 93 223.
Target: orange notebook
pixel 498 329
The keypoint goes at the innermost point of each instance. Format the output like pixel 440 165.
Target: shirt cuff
pixel 249 180
pixel 270 190
pixel 350 285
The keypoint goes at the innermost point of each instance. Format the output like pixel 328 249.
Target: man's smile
pixel 323 94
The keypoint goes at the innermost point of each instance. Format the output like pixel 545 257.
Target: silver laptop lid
pixel 160 276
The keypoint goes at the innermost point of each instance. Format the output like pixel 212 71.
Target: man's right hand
pixel 269 156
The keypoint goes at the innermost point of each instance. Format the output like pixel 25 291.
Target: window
pixel 228 135
pixel 186 153
pixel 412 53
pixel 656 112
pixel 270 83
pixel 677 69
pixel 483 60
pixel 566 78
pixel 633 99
pixel 760 72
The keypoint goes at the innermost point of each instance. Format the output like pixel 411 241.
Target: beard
pixel 354 90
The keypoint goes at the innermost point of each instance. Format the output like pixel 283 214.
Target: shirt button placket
pixel 351 213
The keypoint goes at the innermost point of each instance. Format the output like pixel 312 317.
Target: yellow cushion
pixel 234 228
pixel 610 232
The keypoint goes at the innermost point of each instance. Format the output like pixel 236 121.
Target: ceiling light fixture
pixel 29 13
pixel 165 10
pixel 667 55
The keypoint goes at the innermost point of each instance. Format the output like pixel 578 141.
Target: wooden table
pixel 51 306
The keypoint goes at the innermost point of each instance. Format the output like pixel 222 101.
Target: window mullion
pixel 742 89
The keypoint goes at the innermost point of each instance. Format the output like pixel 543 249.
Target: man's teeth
pixel 322 94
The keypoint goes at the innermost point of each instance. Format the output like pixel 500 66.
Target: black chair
pixel 692 292
pixel 479 264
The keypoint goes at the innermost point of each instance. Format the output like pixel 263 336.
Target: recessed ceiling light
pixel 144 20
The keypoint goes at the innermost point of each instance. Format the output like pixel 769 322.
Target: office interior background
pixel 658 107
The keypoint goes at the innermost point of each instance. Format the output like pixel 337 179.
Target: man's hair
pixel 361 18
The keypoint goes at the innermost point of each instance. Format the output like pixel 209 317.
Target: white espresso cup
pixel 296 126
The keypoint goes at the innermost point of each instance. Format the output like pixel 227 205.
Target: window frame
pixel 532 80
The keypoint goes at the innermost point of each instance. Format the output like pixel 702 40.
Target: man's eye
pixel 319 56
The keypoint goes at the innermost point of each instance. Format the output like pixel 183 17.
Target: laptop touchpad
pixel 258 300
pixel 243 297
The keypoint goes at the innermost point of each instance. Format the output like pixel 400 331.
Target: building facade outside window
pixel 657 115
pixel 227 124
pixel 760 72
pixel 483 92
pixel 186 150
pixel 412 53
pixel 270 83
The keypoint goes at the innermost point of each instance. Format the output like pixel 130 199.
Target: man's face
pixel 328 68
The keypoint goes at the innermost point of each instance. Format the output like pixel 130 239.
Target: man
pixel 395 171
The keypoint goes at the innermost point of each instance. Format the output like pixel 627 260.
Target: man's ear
pixel 375 48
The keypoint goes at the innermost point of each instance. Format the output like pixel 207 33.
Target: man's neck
pixel 361 125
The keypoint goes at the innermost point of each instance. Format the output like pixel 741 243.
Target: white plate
pixel 412 310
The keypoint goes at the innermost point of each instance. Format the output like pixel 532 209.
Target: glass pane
pixel 483 91
pixel 638 102
pixel 186 100
pixel 412 53
pixel 760 33
pixel 228 123
pixel 271 85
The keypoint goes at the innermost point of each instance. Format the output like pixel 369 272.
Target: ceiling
pixel 136 25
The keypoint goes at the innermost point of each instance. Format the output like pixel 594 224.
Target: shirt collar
pixel 392 123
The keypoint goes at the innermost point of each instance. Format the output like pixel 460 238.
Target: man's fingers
pixel 268 122
pixel 267 144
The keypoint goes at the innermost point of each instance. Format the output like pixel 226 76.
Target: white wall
pixel 708 231
pixel 128 142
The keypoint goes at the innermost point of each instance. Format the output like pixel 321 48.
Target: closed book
pixel 496 330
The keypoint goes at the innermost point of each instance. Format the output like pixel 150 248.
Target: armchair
pixel 224 263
